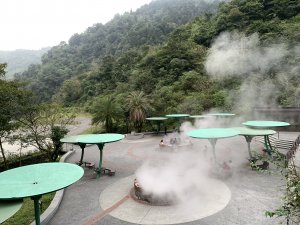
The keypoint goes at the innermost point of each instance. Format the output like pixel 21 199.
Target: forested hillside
pixel 148 26
pixel 19 60
pixel 244 55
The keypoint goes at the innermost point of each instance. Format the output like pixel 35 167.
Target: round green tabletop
pixel 221 114
pixel 37 179
pixel 254 132
pixel 71 139
pixel 199 116
pixel 265 124
pixel 177 115
pixel 213 133
pixel 93 138
pixel 9 208
pixel 156 118
pixel 98 139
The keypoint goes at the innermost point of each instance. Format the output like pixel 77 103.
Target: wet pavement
pixel 252 192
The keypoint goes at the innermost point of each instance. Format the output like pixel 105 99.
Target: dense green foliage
pixel 19 60
pixel 108 112
pixel 287 166
pixel 148 51
pixel 42 126
pixel 162 50
pixel 2 69
pixel 29 123
pixel 137 106
pixel 149 25
pixel 12 100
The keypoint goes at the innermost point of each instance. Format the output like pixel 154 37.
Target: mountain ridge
pixel 18 60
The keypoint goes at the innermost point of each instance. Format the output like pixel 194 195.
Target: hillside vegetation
pixel 171 56
pixel 244 54
pixel 148 26
pixel 19 60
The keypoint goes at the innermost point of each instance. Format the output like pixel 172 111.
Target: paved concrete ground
pixel 252 193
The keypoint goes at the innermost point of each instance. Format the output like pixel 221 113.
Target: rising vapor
pixel 266 69
pixel 238 54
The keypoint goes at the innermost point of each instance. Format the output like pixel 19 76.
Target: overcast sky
pixel 33 24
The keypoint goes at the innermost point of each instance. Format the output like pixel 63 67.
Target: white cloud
pixel 33 24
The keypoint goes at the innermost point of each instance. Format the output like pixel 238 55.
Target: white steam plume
pixel 267 70
pixel 237 54
pixel 175 175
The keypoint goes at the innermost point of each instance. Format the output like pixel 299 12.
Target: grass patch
pixel 26 214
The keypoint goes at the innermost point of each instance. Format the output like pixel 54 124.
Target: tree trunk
pixel 3 155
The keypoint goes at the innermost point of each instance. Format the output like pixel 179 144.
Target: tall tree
pixel 106 110
pixel 2 69
pixel 42 126
pixel 12 100
pixel 138 106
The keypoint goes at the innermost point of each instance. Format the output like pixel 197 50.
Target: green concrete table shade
pixel 213 134
pixel 254 132
pixel 98 139
pixel 200 116
pixel 156 118
pixel 249 133
pixel 265 124
pixel 221 114
pixel 9 208
pixel 177 115
pixel 212 115
pixel 93 138
pixel 38 179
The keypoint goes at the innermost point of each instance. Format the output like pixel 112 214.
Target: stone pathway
pixel 252 193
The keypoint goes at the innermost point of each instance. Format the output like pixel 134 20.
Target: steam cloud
pixel 238 54
pixel 185 174
pixel 266 69
pixel 170 175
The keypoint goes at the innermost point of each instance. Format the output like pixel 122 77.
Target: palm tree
pixel 106 110
pixel 138 105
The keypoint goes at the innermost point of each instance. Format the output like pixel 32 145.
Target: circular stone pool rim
pixel 134 212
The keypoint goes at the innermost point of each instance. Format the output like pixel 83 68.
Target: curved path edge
pixel 55 203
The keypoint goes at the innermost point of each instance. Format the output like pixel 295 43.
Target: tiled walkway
pixel 251 192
